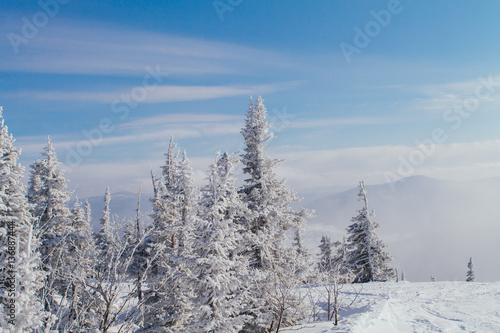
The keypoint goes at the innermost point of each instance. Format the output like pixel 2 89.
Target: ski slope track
pixel 418 307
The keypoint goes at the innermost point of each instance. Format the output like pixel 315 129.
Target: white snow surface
pixel 417 307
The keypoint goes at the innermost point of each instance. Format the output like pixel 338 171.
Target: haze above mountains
pixel 431 226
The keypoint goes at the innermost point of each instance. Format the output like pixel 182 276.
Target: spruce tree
pixel 366 255
pixel 174 217
pixel 82 229
pixel 105 237
pixel 219 268
pixel 20 275
pixel 471 276
pixel 166 202
pixel 188 198
pixel 269 220
pixel 49 197
pixel 325 255
pixel 268 198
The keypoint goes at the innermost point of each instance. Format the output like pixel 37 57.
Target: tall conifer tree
pixel 20 275
pixel 366 256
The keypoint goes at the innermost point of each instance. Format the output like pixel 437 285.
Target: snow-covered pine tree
pixel 88 214
pixel 49 197
pixel 135 241
pixel 48 193
pixel 165 202
pixel 81 225
pixel 174 216
pixel 266 196
pixel 268 200
pixel 471 276
pixel 304 261
pixel 366 255
pixel 81 254
pixel 325 255
pixel 20 275
pixel 188 197
pixel 219 269
pixel 105 237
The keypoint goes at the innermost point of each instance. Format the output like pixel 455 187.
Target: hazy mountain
pixel 432 227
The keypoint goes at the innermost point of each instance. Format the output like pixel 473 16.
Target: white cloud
pixel 313 123
pixel 85 47
pixel 442 97
pixel 180 118
pixel 158 94
pixel 310 171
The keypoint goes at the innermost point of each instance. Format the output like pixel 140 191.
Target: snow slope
pixel 418 307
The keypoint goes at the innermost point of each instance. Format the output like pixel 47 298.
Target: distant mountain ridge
pixel 431 226
pixel 123 206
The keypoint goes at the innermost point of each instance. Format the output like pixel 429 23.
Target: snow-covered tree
pixel 325 255
pixel 88 214
pixel 174 216
pixel 219 270
pixel 334 273
pixel 304 261
pixel 79 255
pixel 48 193
pixel 107 298
pixel 188 197
pixel 165 202
pixel 49 197
pixel 82 229
pixel 266 196
pixel 21 278
pixel 137 246
pixel 366 255
pixel 269 201
pixel 471 276
pixel 106 236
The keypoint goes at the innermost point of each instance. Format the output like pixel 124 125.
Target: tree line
pixel 220 258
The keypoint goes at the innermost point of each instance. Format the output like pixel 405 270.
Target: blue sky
pixel 146 70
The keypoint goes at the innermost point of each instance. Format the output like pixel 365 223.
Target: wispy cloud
pixel 442 97
pixel 150 132
pixel 306 171
pixel 309 170
pixel 328 122
pixel 179 118
pixel 95 48
pixel 158 94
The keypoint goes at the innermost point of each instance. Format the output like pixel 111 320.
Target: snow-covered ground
pixel 418 307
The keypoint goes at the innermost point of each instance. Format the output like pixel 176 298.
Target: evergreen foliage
pixel 365 251
pixel 219 269
pixel 20 275
pixel 471 276
pixel 219 258
pixel 49 198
